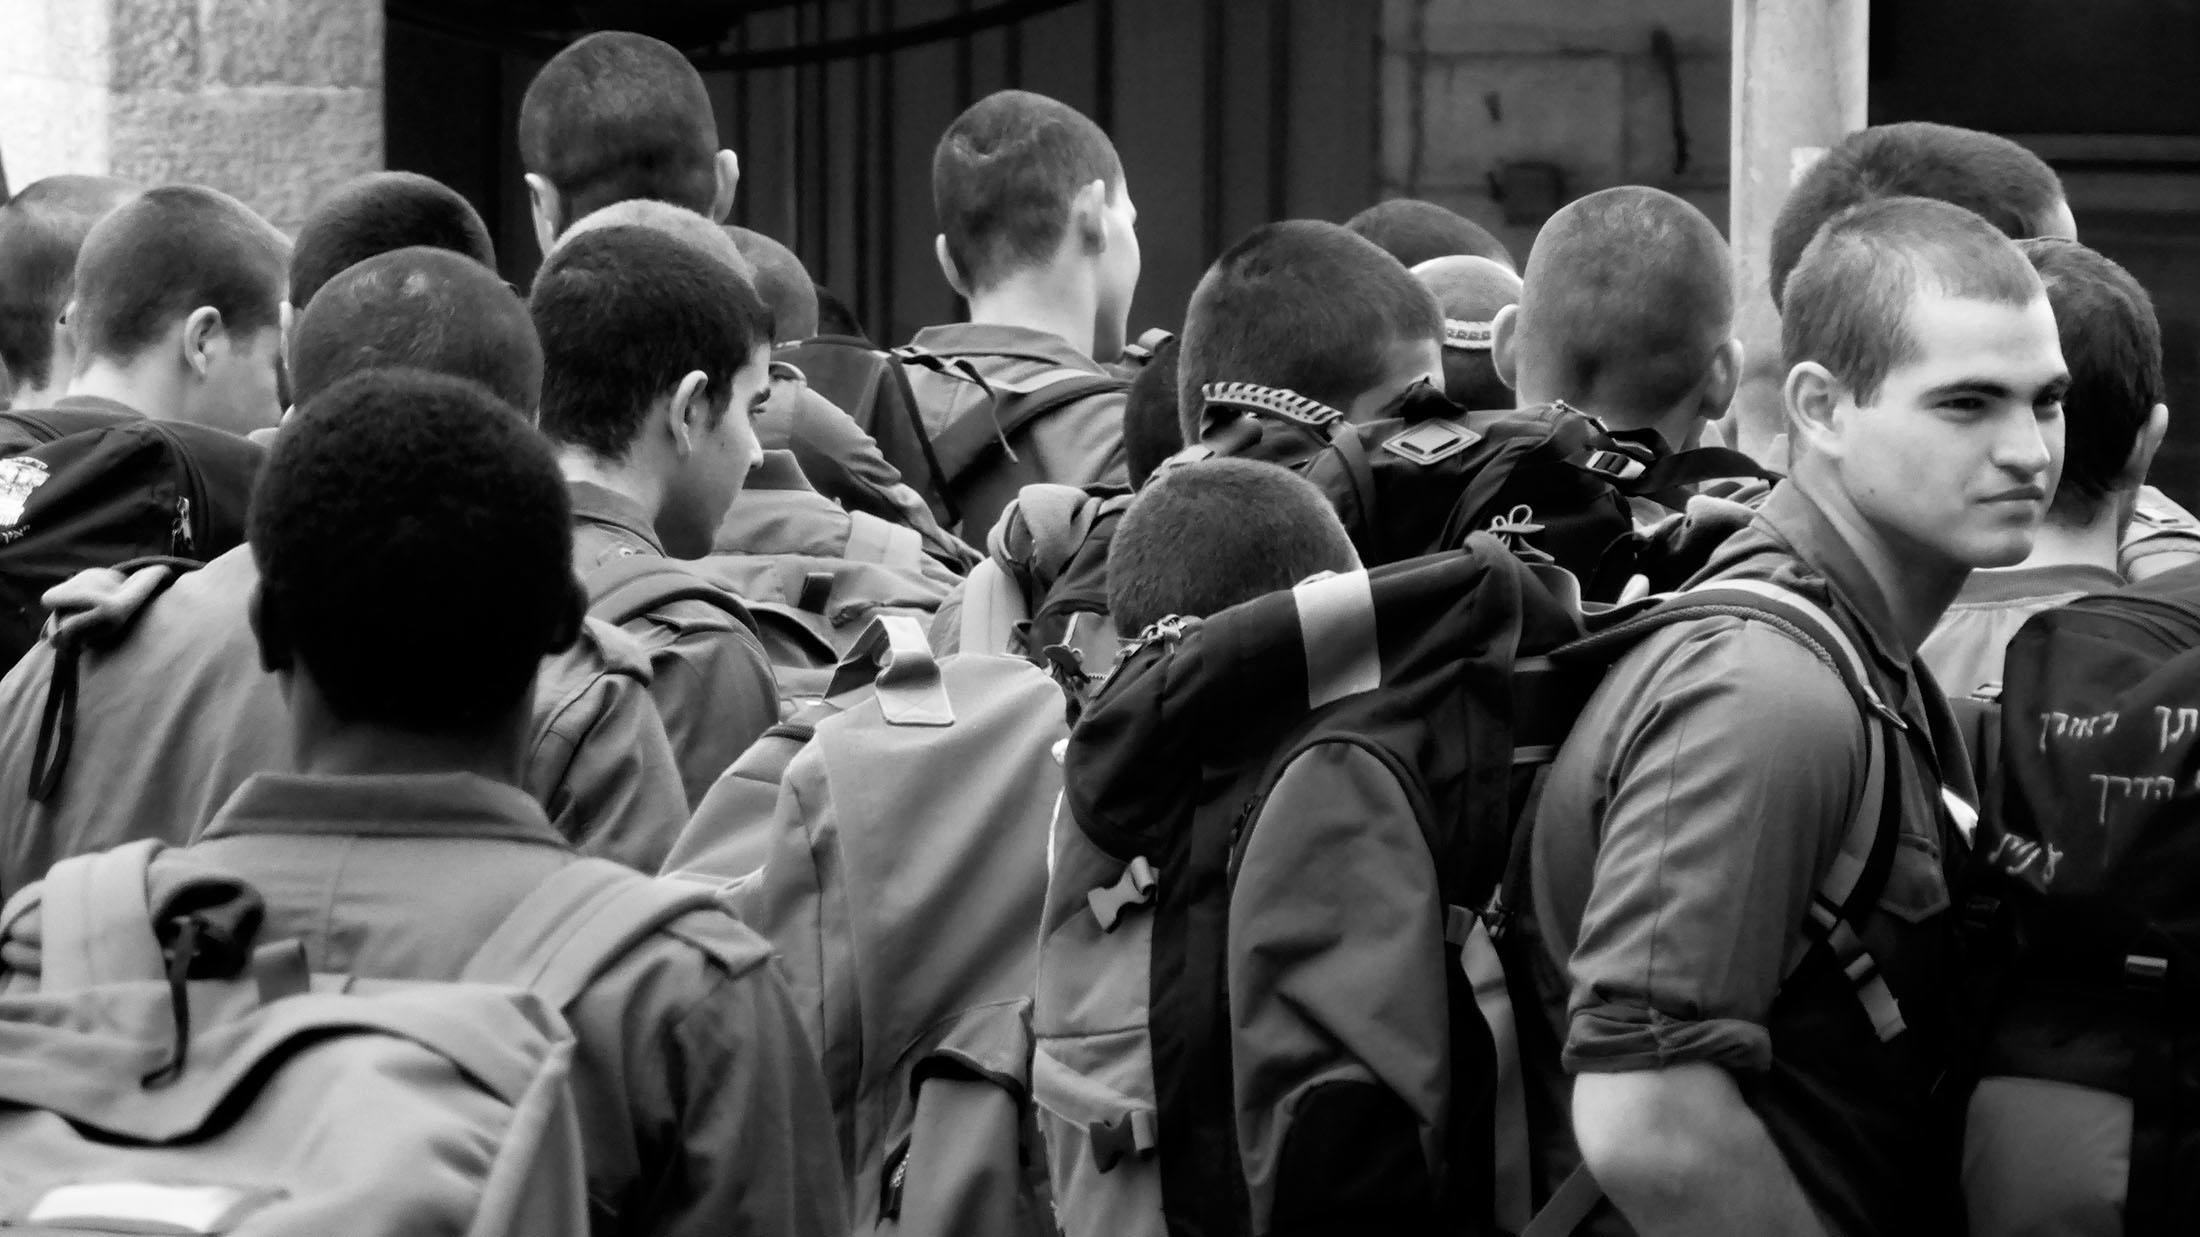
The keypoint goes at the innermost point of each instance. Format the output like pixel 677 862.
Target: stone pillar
pixel 1799 87
pixel 273 101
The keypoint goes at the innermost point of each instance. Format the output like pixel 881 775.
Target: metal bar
pixel 1103 65
pixel 865 218
pixel 880 310
pixel 966 84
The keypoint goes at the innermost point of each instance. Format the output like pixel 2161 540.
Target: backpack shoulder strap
pixel 962 443
pixel 644 583
pixel 576 924
pixel 1858 873
pixel 97 922
pixel 992 609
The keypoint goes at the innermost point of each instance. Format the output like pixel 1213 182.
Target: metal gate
pixel 1227 112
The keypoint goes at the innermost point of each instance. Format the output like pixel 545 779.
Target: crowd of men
pixel 522 578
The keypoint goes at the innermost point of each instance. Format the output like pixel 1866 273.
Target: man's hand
pixel 99 604
pixel 1679 1152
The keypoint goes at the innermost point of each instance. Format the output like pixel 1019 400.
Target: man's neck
pixel 356 750
pixel 43 396
pixel 1916 587
pixel 146 386
pixel 1046 299
pixel 1676 425
pixel 2098 544
pixel 617 476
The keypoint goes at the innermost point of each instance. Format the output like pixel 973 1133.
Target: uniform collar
pixel 445 805
pixel 2026 583
pixel 593 504
pixel 777 470
pixel 968 338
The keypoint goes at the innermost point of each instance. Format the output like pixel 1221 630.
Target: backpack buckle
pixel 1134 888
pixel 1132 1134
pixel 1432 442
pixel 1617 465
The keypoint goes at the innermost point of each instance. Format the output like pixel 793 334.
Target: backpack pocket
pixel 1092 1073
pixel 1099 1121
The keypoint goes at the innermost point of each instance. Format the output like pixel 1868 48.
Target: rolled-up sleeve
pixel 1721 774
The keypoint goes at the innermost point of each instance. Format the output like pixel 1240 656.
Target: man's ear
pixel 727 167
pixel 1504 344
pixel 1813 397
pixel 548 210
pixel 953 276
pixel 199 332
pixel 1088 222
pixel 688 412
pixel 288 318
pixel 269 632
pixel 2141 460
pixel 1723 379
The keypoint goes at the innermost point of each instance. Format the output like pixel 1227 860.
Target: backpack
pixel 1550 480
pixel 2086 919
pixel 173 1071
pixel 867 384
pixel 967 443
pixel 901 828
pixel 1283 955
pixel 105 495
pixel 1044 582
pixel 1245 420
pixel 797 643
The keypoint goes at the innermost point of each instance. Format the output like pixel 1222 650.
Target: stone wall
pixel 270 100
pixel 1470 86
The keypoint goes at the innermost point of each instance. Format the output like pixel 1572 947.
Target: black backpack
pixel 1284 945
pixel 1551 481
pixel 129 489
pixel 2088 918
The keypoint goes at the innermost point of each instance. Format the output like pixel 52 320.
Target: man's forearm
pixel 1679 1152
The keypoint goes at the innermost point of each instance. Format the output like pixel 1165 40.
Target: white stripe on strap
pixel 1337 628
pixel 873 540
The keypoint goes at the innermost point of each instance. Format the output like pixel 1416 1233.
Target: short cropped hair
pixel 1153 430
pixel 783 283
pixel 1004 175
pixel 395 503
pixel 624 313
pixel 1470 291
pixel 618 116
pixel 677 222
pixel 1627 290
pixel 167 252
pixel 1413 231
pixel 1849 300
pixel 1302 305
pixel 1203 537
pixel 41 231
pixel 377 213
pixel 419 308
pixel 1988 175
pixel 2112 343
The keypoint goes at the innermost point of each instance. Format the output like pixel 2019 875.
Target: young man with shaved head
pixel 1626 313
pixel 41 230
pixel 1472 292
pixel 1414 231
pixel 1738 1067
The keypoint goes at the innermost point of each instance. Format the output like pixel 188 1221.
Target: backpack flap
pixel 965 1161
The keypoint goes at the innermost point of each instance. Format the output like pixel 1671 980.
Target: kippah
pixel 1469 336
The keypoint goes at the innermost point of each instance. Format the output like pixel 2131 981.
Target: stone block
pixel 155 44
pixel 277 150
pixel 1522 27
pixel 295 42
pixel 1706 102
pixel 1480 111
